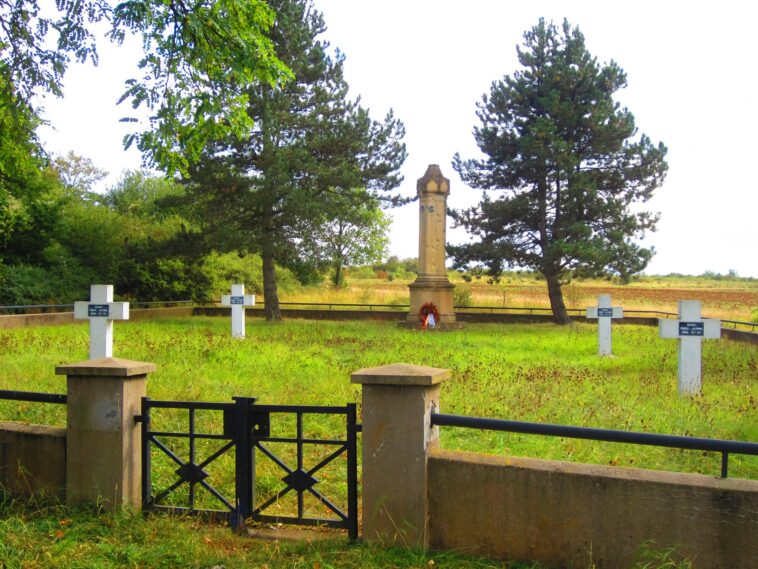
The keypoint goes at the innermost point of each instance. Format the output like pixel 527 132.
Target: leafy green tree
pixel 312 148
pixel 25 187
pixel 560 155
pixel 348 236
pixel 78 175
pixel 196 55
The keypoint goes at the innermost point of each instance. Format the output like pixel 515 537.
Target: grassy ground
pixel 539 372
pixel 35 536
pixel 525 372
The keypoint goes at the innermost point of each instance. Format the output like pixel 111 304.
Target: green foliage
pixel 224 269
pixel 560 155
pixel 650 556
pixel 26 207
pixel 78 175
pixel 195 56
pixel 462 296
pixel 315 155
pixel 347 235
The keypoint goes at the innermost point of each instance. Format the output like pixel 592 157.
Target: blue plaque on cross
pixel 98 310
pixel 691 329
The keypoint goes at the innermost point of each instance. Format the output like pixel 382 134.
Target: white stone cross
pixel 101 312
pixel 690 329
pixel 604 313
pixel 238 300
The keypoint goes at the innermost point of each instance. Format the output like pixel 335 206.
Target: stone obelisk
pixel 432 284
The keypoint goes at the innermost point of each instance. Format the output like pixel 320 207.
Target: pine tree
pixel 561 158
pixel 312 148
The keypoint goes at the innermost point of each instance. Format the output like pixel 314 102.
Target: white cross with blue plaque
pixel 690 329
pixel 101 311
pixel 604 313
pixel 238 300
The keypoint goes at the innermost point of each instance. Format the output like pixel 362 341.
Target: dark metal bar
pixel 299 419
pixel 305 441
pixel 144 428
pixel 318 409
pixel 166 450
pixel 216 454
pixel 324 500
pixel 186 435
pixel 157 404
pixel 34 397
pixel 724 464
pixel 352 471
pixel 301 521
pixel 192 455
pixel 244 477
pixel 327 460
pixel 608 435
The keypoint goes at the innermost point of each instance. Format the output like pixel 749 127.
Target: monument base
pixel 442 327
pixel 438 291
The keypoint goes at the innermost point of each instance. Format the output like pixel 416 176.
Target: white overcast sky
pixel 691 69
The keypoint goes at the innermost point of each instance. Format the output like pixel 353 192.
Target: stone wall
pixel 32 459
pixel 580 515
pixel 58 318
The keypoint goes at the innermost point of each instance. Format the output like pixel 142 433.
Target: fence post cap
pixel 400 374
pixel 106 367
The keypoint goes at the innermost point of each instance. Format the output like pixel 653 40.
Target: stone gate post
pixel 398 400
pixel 103 443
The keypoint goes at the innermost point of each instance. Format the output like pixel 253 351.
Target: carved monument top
pixel 433 182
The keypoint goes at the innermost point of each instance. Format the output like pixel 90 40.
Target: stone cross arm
pixel 110 310
pixel 708 328
pixel 245 300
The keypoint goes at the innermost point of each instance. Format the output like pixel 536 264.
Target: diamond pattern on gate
pixel 299 480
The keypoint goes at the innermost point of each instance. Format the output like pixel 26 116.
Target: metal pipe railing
pixel 33 397
pixel 607 435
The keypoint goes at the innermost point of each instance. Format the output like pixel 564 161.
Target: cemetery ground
pixel 540 373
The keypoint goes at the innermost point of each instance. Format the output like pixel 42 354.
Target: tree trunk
pixel 270 294
pixel 560 315
pixel 337 280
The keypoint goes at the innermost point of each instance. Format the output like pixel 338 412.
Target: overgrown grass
pixel 523 372
pixel 55 536
pixel 541 372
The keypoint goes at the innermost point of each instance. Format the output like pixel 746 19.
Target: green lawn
pixel 537 372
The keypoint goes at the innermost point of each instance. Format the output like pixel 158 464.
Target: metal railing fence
pixel 10 395
pixel 606 435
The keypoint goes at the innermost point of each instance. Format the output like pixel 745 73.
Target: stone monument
pixel 432 284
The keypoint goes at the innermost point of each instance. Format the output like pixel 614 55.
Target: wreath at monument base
pixel 428 315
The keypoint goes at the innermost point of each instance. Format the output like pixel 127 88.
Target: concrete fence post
pixel 397 435
pixel 102 441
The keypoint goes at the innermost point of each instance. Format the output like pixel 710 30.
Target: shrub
pixel 462 296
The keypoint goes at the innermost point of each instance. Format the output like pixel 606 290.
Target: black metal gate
pixel 221 438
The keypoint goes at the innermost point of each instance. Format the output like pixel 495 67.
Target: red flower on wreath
pixel 426 311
